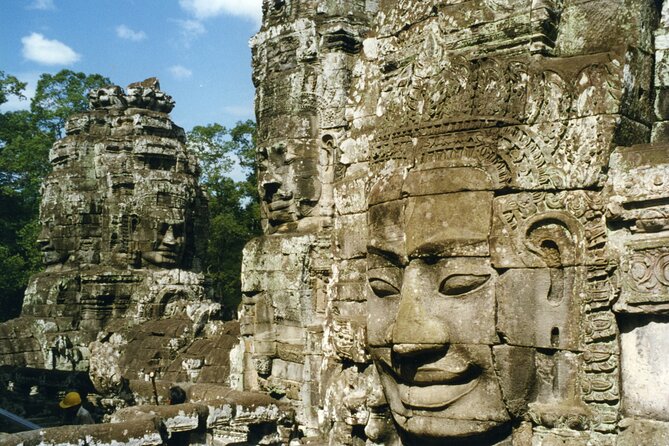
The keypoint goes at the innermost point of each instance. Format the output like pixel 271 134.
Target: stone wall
pixel 487 241
pixel 213 415
pixel 303 59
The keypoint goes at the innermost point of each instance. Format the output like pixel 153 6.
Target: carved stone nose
pixel 415 329
pixel 169 239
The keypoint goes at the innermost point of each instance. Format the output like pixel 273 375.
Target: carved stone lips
pixel 436 384
pixel 434 397
pixel 50 256
pixel 278 205
pixel 435 375
pixel 280 200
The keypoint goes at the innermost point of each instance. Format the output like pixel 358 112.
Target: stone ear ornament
pixel 554 238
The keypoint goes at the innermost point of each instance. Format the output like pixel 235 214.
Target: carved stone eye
pixel 459 284
pixel 382 288
pixel 263 158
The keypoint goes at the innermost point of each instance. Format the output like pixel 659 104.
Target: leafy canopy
pixel 59 95
pixel 234 212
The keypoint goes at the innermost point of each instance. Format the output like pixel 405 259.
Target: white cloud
pixel 180 72
pixel 203 9
pixel 42 5
pixel 190 30
pixel 126 33
pixel 191 27
pixel 47 52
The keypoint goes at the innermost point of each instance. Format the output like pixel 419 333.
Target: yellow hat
pixel 70 400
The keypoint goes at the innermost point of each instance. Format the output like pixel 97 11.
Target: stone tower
pixel 303 59
pixel 121 216
pixel 488 239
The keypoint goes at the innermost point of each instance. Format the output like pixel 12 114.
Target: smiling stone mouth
pixel 434 397
pixel 51 256
pixel 444 366
pixel 434 375
pixel 280 204
pixel 433 386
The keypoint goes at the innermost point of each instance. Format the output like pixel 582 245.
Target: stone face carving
pixel 466 222
pixel 120 214
pixel 431 324
pixel 495 257
pixel 160 237
pixel 465 216
pixel 289 182
pixel 302 66
pixel 486 232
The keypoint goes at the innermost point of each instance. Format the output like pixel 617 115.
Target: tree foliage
pixel 25 140
pixel 233 204
pixel 10 86
pixel 58 96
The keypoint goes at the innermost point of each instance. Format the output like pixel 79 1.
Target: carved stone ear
pixel 552 240
pixel 539 230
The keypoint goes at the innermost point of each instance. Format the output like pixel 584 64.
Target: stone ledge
pixel 145 431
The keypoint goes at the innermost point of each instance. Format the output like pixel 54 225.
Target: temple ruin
pixel 121 311
pixel 466 224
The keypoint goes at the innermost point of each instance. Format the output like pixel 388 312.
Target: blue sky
pixel 197 48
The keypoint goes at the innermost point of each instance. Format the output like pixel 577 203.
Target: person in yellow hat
pixel 74 413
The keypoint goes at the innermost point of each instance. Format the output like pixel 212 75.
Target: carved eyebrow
pixel 395 258
pixel 441 248
pixel 430 249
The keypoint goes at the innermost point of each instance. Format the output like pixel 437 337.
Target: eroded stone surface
pixel 490 165
pixel 466 225
pixel 122 215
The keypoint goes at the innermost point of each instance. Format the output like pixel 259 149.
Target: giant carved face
pixel 289 182
pixel 161 238
pixel 55 247
pixel 432 310
pixel 61 211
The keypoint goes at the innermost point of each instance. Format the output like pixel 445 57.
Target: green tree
pixel 10 86
pixel 233 204
pixel 58 96
pixel 25 140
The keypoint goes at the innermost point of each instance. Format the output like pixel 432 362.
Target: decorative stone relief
pixel 514 259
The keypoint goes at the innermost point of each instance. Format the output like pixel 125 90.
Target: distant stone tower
pixel 121 216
